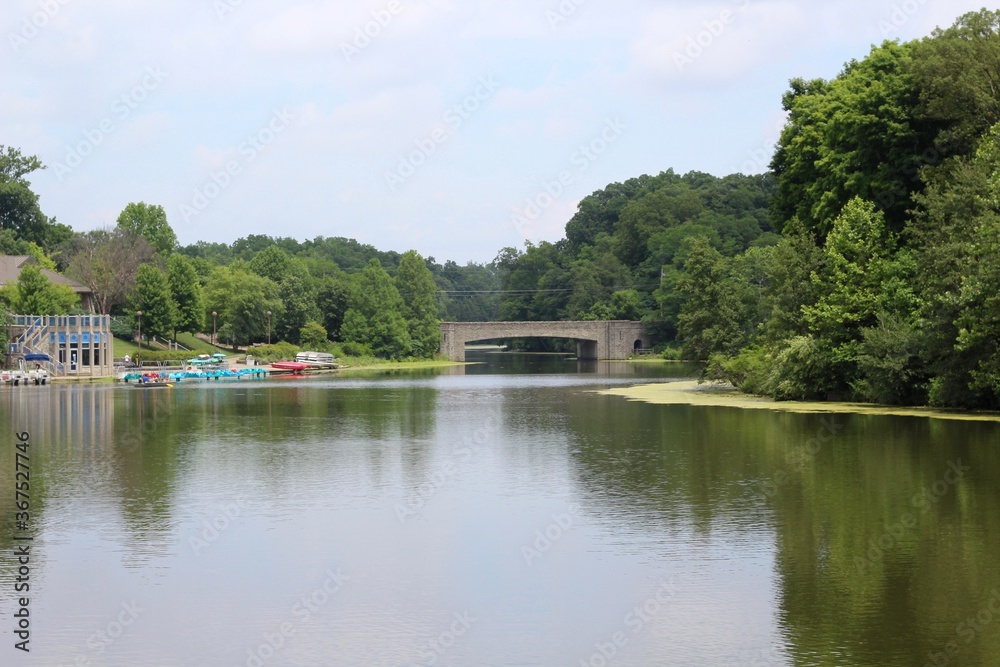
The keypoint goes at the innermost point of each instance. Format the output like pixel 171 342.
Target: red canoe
pixel 290 366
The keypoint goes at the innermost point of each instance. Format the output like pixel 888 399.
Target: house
pixel 10 271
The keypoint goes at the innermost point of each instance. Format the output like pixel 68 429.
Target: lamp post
pixel 139 315
pixel 213 326
pixel 269 327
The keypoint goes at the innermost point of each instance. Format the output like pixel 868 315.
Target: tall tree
pixel 375 316
pixel 299 307
pixel 272 262
pixel 35 294
pixel 150 222
pixel 242 299
pixel 958 72
pixel 858 135
pixel 19 210
pixel 185 291
pixel 333 299
pixel 419 306
pixel 107 261
pixel 152 297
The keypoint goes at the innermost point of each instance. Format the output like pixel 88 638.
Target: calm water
pixel 494 515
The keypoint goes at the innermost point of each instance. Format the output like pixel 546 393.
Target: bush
pixel 122 328
pixel 176 356
pixel 888 362
pixel 748 371
pixel 280 351
pixel 803 369
pixel 352 349
pixel 313 336
pixel 672 353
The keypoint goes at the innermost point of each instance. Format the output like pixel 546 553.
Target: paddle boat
pixel 294 366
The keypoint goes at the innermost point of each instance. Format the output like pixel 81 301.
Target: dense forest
pixel 863 265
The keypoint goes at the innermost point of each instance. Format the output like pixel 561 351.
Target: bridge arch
pixel 595 339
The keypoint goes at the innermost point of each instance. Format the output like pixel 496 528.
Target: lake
pixel 496 514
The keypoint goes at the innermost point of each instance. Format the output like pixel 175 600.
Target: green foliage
pixel 281 351
pixel 242 299
pixel 957 70
pixel 889 366
pixel 313 336
pixel 419 304
pixel 152 297
pixel 332 300
pixel 749 370
pixel 35 294
pixel 375 316
pixel 298 307
pixel 854 136
pixel 351 349
pixel 185 291
pixel 19 210
pixel 40 256
pixel 802 368
pixel 150 222
pixel 272 262
pixel 722 307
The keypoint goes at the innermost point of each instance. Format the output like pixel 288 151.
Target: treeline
pixel 626 247
pixel 884 286
pixel 259 288
pixel 863 266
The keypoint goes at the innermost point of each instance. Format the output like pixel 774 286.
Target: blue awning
pixel 37 357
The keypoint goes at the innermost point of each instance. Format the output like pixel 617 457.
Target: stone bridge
pixel 615 339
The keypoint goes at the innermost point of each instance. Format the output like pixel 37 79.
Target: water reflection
pixel 545 511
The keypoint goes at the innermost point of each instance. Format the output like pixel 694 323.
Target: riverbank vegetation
pixel 863 265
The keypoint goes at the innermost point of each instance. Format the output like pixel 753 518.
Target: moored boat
pixel 296 366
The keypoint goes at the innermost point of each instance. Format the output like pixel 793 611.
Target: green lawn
pixel 123 347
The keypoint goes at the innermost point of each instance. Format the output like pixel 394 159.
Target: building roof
pixel 10 271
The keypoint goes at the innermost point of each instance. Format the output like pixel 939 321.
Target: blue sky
pixel 454 128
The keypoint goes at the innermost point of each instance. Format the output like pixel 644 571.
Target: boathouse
pixel 77 345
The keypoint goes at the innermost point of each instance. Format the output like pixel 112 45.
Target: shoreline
pixel 690 392
pixel 378 366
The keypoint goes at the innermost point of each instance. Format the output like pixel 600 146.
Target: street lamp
pixel 139 315
pixel 213 326
pixel 269 327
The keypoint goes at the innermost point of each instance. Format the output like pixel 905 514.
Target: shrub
pixel 747 371
pixel 803 369
pixel 352 349
pixel 280 351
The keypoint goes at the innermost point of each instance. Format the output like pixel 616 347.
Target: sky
pixel 452 128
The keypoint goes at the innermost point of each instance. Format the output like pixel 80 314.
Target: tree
pixel 185 291
pixel 313 335
pixel 332 300
pixel 958 70
pixel 419 304
pixel 856 266
pixel 107 261
pixel 857 135
pixel 298 308
pixel 19 210
pixel 35 294
pixel 149 222
pixel 242 299
pixel 710 319
pixel 152 297
pixel 272 262
pixel 375 317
